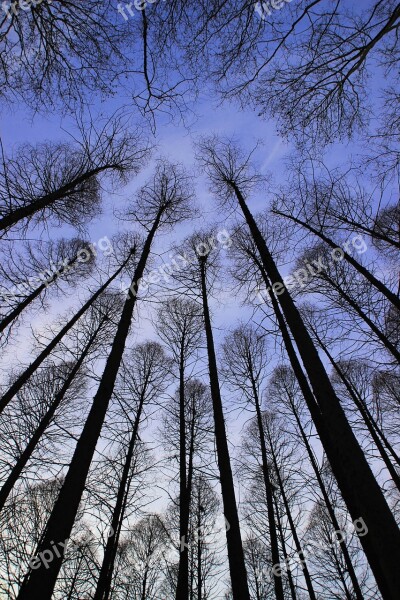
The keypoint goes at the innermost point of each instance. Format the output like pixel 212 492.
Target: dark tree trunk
pixel 279 594
pixel 105 577
pixel 40 582
pixel 395 300
pixel 372 426
pixel 29 299
pixel 360 490
pixel 45 422
pixel 284 551
pixel 199 550
pixel 48 200
pixel 182 588
pixel 328 504
pixel 315 415
pixel 293 530
pixel 22 379
pixel 237 568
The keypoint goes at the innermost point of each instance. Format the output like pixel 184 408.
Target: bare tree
pixel 198 279
pixel 227 168
pixel 180 327
pixel 143 379
pixel 63 181
pixel 45 353
pixel 164 201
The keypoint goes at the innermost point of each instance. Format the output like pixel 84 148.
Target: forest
pixel 200 300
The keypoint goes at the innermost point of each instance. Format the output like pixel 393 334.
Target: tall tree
pixel 232 177
pixel 198 279
pixel 143 379
pixel 63 181
pixel 180 327
pixel 164 201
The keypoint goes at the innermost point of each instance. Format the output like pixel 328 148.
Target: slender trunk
pixel 360 490
pixel 381 336
pixel 284 551
pixel 293 530
pixel 144 585
pixel 32 296
pixel 182 588
pixel 315 415
pixel 23 378
pixel 328 504
pixel 368 419
pixel 237 568
pixel 40 582
pixel 199 548
pixel 278 586
pixel 48 200
pixel 393 298
pixel 75 577
pixel 107 566
pixel 44 423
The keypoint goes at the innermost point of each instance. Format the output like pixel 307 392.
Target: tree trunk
pixel 22 379
pixel 182 588
pixel 285 554
pixel 44 423
pixel 40 582
pixel 354 263
pixel 48 200
pixel 360 490
pixel 107 566
pixel 293 530
pixel 22 305
pixel 279 594
pixel 237 568
pixel 373 428
pixel 328 504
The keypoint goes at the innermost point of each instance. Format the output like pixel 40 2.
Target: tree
pixel 143 379
pixel 63 181
pixel 196 418
pixel 49 392
pixel 285 397
pixel 198 279
pixel 164 201
pixel 231 177
pixel 245 358
pixel 45 353
pixel 180 327
pixel 69 260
